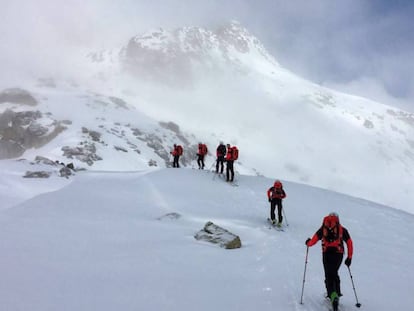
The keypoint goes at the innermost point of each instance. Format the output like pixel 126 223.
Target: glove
pixel 270 200
pixel 307 241
pixel 348 261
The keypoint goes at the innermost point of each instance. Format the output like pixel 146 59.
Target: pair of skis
pixel 230 183
pixel 275 226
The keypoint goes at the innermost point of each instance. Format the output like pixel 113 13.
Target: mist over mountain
pixel 193 84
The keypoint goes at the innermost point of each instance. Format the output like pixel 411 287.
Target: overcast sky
pixel 364 47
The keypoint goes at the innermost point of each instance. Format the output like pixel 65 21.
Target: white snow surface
pixel 100 241
pixel 283 125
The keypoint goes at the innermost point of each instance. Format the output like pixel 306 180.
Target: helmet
pixel 278 184
pixel 331 220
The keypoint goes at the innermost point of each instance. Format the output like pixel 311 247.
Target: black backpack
pixel 221 149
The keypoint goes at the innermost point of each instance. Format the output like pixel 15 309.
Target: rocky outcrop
pixel 217 235
pixel 171 56
pixel 170 216
pixel 10 149
pixel 85 153
pixel 23 130
pixel 48 167
pixel 17 96
pixel 37 174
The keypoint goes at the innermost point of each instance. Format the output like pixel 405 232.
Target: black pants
pixel 200 161
pixel 175 162
pixel 331 263
pixel 229 170
pixel 273 204
pixel 220 162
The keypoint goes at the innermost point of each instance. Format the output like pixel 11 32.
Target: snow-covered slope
pixel 224 82
pixel 103 241
pixel 91 130
pixel 223 85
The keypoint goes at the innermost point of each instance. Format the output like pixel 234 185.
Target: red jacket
pixel 229 155
pixel 202 149
pixel 276 193
pixel 344 237
pixel 177 150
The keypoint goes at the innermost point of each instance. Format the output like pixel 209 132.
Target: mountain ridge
pixel 284 125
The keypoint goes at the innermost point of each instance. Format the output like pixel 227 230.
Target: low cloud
pixel 333 43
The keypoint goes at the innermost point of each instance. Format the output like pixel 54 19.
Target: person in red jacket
pixel 220 153
pixel 202 151
pixel 275 195
pixel 176 153
pixel 229 164
pixel 333 236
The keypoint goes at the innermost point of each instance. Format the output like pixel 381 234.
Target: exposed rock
pixel 137 132
pixel 118 148
pixel 17 96
pixel 368 124
pixel 85 153
pixel 171 57
pixel 38 174
pixel 10 149
pixel 96 136
pixel 66 122
pixel 170 126
pixel 170 216
pixel 23 130
pixel 402 115
pixel 43 160
pixel 152 163
pixel 217 235
pixel 65 172
pixel 154 142
pixel 71 166
pixel 119 102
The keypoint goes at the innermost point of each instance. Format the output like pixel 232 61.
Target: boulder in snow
pixel 217 235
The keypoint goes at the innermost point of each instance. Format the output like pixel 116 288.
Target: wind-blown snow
pixel 99 241
pixel 223 85
pixel 230 88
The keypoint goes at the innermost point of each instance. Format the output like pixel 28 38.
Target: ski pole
pixel 304 274
pixel 284 214
pixel 211 167
pixel 358 305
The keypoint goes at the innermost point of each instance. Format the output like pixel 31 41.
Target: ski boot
pixel 335 301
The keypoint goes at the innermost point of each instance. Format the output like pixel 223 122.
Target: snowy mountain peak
pixel 221 85
pixel 198 40
pixel 181 51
